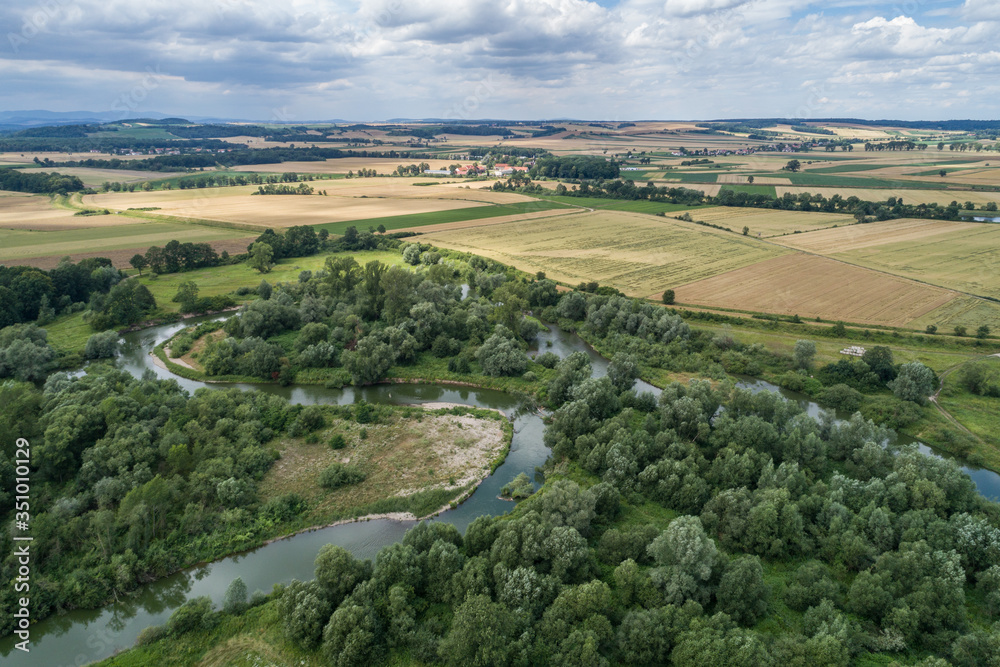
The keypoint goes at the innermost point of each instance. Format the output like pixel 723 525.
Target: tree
pixel 746 230
pixel 983 331
pixel 138 262
pixel 750 180
pixel 369 361
pixel 126 303
pixel 102 345
pixel 668 297
pixel 411 254
pixel 805 351
pixel 623 371
pixel 261 256
pixel 688 560
pixel 481 634
pixel 879 360
pixel 501 355
pixel 187 296
pixel 792 165
pixel 960 330
pixel 942 173
pixel 193 614
pixel 742 592
pixel 915 382
pixel 931 329
pixel 235 600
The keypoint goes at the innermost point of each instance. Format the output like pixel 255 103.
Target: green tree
pixel 742 592
pixel 102 345
pixel 623 371
pixel 501 355
pixel 351 637
pixel 688 561
pixel 983 331
pixel 139 262
pixel 880 361
pixel 805 352
pixel 792 165
pixel 668 297
pixel 481 634
pixel 195 614
pixel 960 330
pixel 235 600
pixel 261 257
pixel 187 296
pixel 915 382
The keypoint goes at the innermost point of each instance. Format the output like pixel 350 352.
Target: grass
pixel 638 254
pixel 437 217
pixel 979 414
pixel 751 189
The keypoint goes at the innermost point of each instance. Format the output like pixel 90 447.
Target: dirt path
pixel 940 408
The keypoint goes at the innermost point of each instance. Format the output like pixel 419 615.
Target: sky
pixel 301 60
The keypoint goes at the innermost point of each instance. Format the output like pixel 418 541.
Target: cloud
pixel 539 58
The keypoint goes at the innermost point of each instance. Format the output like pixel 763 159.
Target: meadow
pixel 639 254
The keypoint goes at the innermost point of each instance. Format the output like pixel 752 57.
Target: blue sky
pixel 300 60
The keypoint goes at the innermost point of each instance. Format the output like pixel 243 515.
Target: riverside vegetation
pixel 666 529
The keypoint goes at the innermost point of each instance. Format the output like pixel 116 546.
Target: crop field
pixel 17 244
pixel 812 286
pixel 19 210
pixel 750 189
pixel 638 206
pixel 855 237
pixel 638 254
pixel 93 178
pixel 966 259
pixel 344 165
pixel 239 205
pixel 769 222
pixel 940 197
pixel 416 221
pixel 967 311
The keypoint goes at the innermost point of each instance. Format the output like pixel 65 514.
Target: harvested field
pixel 19 210
pixel 769 222
pixel 18 245
pixel 238 205
pixel 482 222
pixel 855 237
pixel 966 258
pixel 93 178
pixel 813 286
pixel 739 179
pixel 344 165
pixel 639 254
pixel 966 311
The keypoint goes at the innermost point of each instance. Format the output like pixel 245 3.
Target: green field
pixel 824 180
pixel 18 244
pixel 438 217
pixel 841 168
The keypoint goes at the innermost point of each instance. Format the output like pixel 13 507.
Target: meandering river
pixel 84 636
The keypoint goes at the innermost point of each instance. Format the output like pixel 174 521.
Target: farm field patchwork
pixel 93 178
pixel 813 286
pixel 638 254
pixel 19 210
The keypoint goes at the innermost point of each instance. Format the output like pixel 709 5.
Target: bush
pixel 842 397
pixel 153 633
pixel 337 475
pixel 235 601
pixel 529 376
pixel 195 614
pixel 548 359
pixel 101 346
pixel 517 488
pixel 501 356
pixel 337 441
pixel 459 365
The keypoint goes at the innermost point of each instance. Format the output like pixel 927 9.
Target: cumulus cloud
pixel 512 58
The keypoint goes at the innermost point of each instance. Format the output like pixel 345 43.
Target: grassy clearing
pixel 439 217
pixel 980 414
pixel 639 254
pixel 409 451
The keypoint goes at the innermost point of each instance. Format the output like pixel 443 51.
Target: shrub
pixel 101 345
pixel 195 614
pixel 337 441
pixel 337 475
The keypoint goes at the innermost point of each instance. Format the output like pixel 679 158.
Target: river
pixel 84 636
